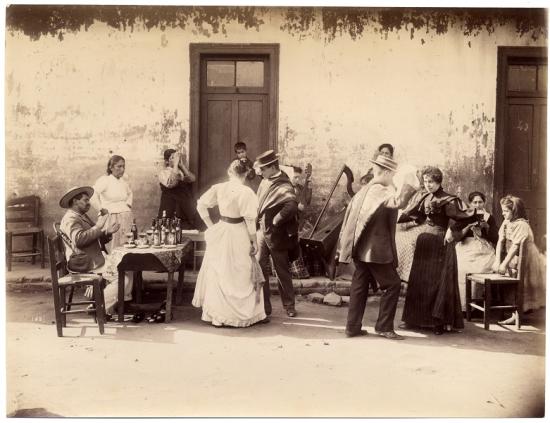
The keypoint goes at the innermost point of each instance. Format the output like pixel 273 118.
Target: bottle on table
pixel 156 235
pixel 134 231
pixel 178 232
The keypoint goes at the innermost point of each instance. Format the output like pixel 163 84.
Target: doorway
pixel 233 99
pixel 520 144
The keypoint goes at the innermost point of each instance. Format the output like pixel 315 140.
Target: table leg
pixel 169 287
pixel 120 302
pixel 179 288
pixel 138 286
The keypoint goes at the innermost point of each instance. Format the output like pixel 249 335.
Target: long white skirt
pixel 224 286
pixel 472 256
pixel 125 221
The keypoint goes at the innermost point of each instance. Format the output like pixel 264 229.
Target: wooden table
pixel 152 259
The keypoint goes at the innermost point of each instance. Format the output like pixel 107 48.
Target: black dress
pixel 432 295
pixel 180 200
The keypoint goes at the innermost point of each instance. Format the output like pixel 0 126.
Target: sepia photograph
pixel 253 211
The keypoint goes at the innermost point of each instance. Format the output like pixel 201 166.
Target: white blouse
pixel 234 200
pixel 113 194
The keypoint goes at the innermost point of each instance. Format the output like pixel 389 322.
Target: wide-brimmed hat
pixel 266 158
pixel 385 162
pixel 73 192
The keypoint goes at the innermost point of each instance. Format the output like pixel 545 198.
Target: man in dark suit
pixel 278 234
pixel 368 238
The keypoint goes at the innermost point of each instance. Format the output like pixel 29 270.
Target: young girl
pixel 514 230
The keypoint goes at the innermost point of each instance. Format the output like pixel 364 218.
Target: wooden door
pixel 234 108
pixel 520 167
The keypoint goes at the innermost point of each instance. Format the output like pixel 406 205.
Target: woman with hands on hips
pixel 113 199
pixel 225 287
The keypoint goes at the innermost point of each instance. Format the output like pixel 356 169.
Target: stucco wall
pixel 81 91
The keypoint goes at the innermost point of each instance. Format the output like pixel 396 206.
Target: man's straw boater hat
pixel 73 192
pixel 385 162
pixel 266 158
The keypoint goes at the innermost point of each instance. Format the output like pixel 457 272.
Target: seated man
pixel 81 235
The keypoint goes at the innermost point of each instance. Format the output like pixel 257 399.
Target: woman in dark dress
pixel 432 295
pixel 177 196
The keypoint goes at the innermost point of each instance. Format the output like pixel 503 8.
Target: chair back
pixel 58 262
pixel 23 212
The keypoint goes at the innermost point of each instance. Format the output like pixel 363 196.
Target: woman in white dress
pixel 113 196
pixel 224 288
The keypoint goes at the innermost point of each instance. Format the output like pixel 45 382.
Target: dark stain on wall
pixel 471 171
pixel 41 20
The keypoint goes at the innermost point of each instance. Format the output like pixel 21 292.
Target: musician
pixel 385 150
pixel 368 238
pixel 278 234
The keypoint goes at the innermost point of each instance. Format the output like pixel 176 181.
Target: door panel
pixel 252 118
pixel 226 120
pixel 517 160
pixel 215 125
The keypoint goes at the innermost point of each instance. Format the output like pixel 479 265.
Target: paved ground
pixel 290 367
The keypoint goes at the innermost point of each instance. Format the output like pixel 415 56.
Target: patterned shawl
pixel 272 192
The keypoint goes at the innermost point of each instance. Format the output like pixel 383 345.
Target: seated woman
pixel 177 197
pixel 432 298
pixel 514 230
pixel 224 288
pixel 475 251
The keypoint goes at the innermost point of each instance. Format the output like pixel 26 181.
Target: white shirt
pixel 113 194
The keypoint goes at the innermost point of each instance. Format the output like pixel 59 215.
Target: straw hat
pixel 73 192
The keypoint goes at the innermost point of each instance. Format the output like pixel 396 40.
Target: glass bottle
pixel 178 232
pixel 156 235
pixel 134 230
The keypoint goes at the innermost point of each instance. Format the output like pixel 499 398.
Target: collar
pixel 279 173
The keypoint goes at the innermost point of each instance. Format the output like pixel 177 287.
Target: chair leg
pixel 468 299
pixel 70 300
pixel 519 304
pixel 33 258
pixel 42 258
pixel 57 310
pixel 9 244
pixel 99 307
pixel 63 305
pixel 487 305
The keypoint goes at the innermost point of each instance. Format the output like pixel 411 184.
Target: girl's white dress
pixel 224 288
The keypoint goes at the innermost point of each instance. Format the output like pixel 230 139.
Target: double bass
pixel 321 242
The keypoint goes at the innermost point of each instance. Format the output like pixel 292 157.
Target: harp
pixel 321 241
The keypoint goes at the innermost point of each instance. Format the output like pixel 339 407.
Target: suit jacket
pixel 368 229
pixel 84 236
pixel 277 212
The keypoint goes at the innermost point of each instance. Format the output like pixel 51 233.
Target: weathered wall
pixel 90 82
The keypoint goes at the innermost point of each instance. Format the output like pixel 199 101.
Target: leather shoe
pixel 390 335
pixel 264 321
pixel 350 334
pixel 291 312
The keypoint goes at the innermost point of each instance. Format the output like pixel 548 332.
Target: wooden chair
pixel 62 281
pixel 198 246
pixel 22 219
pixel 489 280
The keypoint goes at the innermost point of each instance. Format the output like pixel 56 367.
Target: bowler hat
pixel 385 162
pixel 73 192
pixel 266 158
